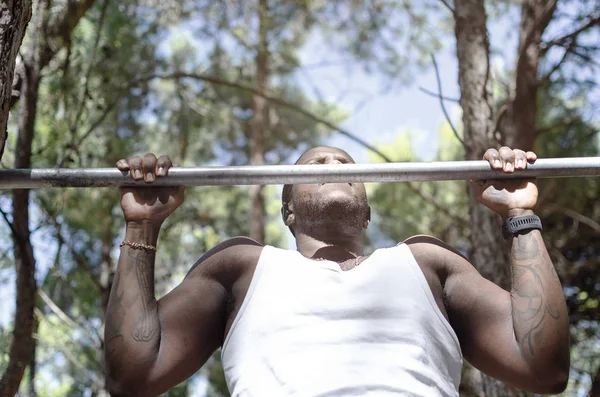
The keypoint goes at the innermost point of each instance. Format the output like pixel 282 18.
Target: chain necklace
pixel 346 264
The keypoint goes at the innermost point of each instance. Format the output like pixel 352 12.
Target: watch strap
pixel 516 224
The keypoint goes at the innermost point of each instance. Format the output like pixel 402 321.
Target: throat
pixel 334 253
pixel 345 259
pixel 351 263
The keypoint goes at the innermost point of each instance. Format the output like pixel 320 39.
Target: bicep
pixel 481 314
pixel 192 319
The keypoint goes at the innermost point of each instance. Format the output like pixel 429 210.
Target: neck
pixel 338 249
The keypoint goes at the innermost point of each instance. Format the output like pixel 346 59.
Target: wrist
pixel 143 232
pixel 517 212
pixel 519 224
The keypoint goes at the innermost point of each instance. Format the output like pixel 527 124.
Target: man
pixel 325 320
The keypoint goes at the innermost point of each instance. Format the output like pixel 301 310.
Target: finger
pixel 135 167
pixel 149 165
pixel 122 165
pixel 508 159
pixel 531 157
pixel 520 159
pixel 162 165
pixel 493 157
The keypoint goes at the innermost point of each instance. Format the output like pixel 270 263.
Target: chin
pixel 335 213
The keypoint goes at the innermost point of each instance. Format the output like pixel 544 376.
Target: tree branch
pixel 79 259
pixel 437 95
pixel 62 29
pixel 593 21
pixel 448 6
pixel 431 200
pixel 65 318
pixel 67 353
pixel 8 222
pixel 568 50
pixel 278 101
pixel 75 145
pixel 92 63
pixel 441 97
pixel 575 215
pixel 275 100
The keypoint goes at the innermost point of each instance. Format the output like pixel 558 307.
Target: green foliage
pixel 394 38
pixel 402 212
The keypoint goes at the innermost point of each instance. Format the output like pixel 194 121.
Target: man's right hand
pixel 147 204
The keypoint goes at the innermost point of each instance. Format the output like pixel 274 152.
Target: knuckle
pixel 164 160
pixel 491 154
pixel 134 161
pixel 507 154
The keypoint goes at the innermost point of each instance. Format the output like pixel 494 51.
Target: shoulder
pixel 228 256
pixel 431 251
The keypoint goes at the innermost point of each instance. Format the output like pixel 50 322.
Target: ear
pixel 366 222
pixel 287 214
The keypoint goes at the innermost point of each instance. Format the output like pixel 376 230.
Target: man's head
pixel 340 208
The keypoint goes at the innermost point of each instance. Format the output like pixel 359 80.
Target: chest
pixel 379 286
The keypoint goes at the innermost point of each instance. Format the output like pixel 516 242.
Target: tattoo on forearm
pixel 114 320
pixel 147 323
pixel 525 249
pixel 530 304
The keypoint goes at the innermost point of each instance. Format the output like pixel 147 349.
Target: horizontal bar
pixel 294 174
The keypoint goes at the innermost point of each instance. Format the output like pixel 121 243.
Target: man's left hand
pixel 507 197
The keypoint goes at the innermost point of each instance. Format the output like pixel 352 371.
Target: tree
pixel 515 124
pixel 15 18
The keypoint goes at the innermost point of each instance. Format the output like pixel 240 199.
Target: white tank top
pixel 306 328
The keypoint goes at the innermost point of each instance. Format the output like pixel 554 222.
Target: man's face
pixel 336 207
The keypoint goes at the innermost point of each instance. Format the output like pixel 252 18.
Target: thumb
pixel 477 187
pixel 180 194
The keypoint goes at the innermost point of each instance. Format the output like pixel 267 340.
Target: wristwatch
pixel 516 224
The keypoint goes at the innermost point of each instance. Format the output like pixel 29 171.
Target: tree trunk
pixel 33 365
pixel 22 345
pixel 487 251
pixel 259 125
pixel 58 33
pixel 38 56
pixel 518 124
pixel 15 15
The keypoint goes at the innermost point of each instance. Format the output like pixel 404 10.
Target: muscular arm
pixel 539 311
pixel 153 345
pixel 521 336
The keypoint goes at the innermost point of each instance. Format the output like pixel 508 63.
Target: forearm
pixel 132 331
pixel 539 312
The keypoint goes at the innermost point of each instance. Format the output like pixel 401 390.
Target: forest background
pixel 86 82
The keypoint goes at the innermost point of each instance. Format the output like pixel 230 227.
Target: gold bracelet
pixel 138 246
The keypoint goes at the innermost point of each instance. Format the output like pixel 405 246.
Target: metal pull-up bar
pixel 295 174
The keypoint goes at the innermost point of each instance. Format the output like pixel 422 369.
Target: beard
pixel 317 213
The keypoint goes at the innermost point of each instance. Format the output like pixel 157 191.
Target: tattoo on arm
pixel 114 320
pixel 530 306
pixel 147 323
